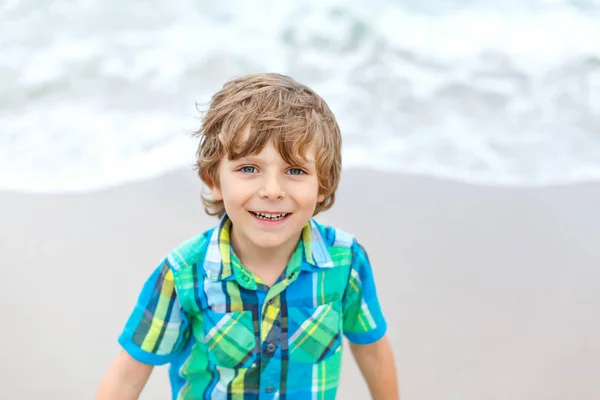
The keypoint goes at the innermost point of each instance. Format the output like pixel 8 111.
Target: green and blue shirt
pixel 227 335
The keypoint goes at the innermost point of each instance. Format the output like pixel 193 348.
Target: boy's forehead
pixel 272 145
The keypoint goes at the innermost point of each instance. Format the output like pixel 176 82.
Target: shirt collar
pixel 221 263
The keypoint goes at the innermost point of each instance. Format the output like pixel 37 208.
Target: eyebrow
pixel 252 158
pixel 249 158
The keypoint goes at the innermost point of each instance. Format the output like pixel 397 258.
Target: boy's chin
pixel 269 241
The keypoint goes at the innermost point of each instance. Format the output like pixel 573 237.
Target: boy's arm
pixel 376 363
pixel 124 379
pixel 365 327
pixel 156 331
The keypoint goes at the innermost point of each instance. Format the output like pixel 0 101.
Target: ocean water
pixel 100 93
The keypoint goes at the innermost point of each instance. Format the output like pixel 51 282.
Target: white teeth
pixel 272 217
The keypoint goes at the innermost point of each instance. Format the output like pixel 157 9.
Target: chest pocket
pixel 315 332
pixel 230 338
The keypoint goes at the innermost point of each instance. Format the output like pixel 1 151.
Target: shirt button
pixel 271 348
pixel 269 389
pixel 291 276
pixel 245 278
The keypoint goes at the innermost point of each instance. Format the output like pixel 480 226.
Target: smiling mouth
pixel 270 216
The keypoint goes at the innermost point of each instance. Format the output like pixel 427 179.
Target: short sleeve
pixel 157 329
pixel 363 321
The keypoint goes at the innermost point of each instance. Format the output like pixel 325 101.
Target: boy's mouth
pixel 270 216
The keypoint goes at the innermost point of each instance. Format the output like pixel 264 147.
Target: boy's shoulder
pixel 337 239
pixel 191 251
pixel 334 236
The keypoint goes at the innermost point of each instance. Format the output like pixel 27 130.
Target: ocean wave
pixel 102 93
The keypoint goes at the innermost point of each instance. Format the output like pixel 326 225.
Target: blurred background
pixel 472 165
pixel 95 94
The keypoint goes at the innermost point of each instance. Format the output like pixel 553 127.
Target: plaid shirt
pixel 227 335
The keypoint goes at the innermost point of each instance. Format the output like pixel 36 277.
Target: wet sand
pixel 490 293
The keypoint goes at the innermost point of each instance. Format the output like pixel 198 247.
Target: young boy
pixel 255 308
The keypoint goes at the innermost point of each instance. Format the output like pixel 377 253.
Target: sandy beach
pixel 490 293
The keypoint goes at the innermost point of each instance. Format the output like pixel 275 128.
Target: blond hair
pixel 279 110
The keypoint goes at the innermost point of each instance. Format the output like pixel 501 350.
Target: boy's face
pixel 268 200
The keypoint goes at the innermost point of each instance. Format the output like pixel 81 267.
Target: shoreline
pixel 178 173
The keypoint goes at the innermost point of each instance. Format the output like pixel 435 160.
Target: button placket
pixel 246 282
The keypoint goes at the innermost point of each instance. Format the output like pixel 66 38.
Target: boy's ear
pixel 320 198
pixel 215 191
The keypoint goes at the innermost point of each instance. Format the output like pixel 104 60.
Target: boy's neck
pixel 263 262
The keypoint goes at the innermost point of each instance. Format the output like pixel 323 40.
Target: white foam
pixel 75 149
pixel 534 40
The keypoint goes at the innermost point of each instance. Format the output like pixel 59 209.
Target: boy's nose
pixel 271 188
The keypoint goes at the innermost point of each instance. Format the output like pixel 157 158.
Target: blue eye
pixel 295 171
pixel 249 169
